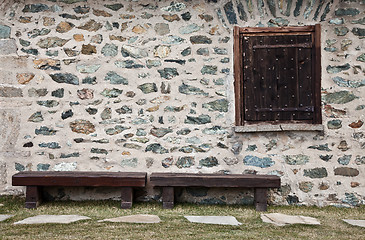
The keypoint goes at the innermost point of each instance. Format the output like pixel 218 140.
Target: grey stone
pixel 172 40
pixel 168 73
pixel 215 130
pixel 174 7
pixel 346 171
pixel 88 68
pixel 200 39
pixel 36 117
pixel 220 105
pixel 361 58
pixel 325 158
pixel 186 51
pixel 330 49
pixel 99 151
pixel 150 63
pixel 202 119
pixel 65 78
pixel 178 61
pixel 51 42
pixel 278 22
pixel 134 52
pixel 19 167
pixel 106 114
pixel 344 160
pixel 114 7
pixel 89 80
pixel 237 147
pixel 109 50
pixel 191 90
pixel 184 131
pixel 348 83
pixel 251 148
pixel 70 155
pixel 341 31
pixel 48 103
pixel 209 162
pixel 43 130
pixel 360 21
pixel 351 200
pixel 230 13
pixel 148 88
pixel 189 29
pixel 185 162
pixel 124 110
pixel 38 32
pixel 4 217
pixel 209 69
pixel 115 78
pixel 130 64
pixel 220 51
pixel 337 69
pixel 186 16
pixel 340 97
pixel 203 51
pixel 115 130
pixel 4 31
pixel 156 148
pixel 297 8
pixel 220 220
pixel 306 186
pixel 42 219
pixel 160 132
pixel 35 8
pixel 24 43
pixel 162 29
pixel 299 159
pixel 67 114
pixel 334 124
pixel 315 173
pixel 337 21
pixel 82 9
pixel 140 218
pixel 360 160
pixel 280 219
pixel 7 47
pixel 264 162
pixel 358 223
pixel 346 12
pixel 321 147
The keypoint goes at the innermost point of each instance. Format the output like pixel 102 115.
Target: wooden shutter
pixel 278 75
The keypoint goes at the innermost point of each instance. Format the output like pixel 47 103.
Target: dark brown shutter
pixel 278 77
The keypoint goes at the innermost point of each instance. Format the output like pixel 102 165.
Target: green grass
pixel 174 225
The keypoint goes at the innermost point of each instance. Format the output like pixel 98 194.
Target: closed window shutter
pixel 278 77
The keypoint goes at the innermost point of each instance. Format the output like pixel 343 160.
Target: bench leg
pixel 127 197
pixel 261 199
pixel 168 197
pixel 32 197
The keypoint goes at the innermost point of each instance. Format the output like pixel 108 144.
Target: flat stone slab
pixel 280 219
pixel 4 217
pixel 221 220
pixel 140 218
pixel 40 219
pixel 359 223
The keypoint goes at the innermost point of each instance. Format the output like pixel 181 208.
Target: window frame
pixel 239 33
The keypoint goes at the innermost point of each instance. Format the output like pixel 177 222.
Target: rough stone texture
pixel 155 81
pixel 140 218
pixel 220 220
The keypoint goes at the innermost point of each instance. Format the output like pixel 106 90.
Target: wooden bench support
pixel 127 197
pixel 33 197
pixel 34 180
pixel 260 199
pixel 168 196
pixel 260 184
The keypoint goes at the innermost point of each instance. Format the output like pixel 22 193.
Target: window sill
pixel 279 127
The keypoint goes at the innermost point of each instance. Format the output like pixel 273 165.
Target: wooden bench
pixel 260 183
pixel 35 180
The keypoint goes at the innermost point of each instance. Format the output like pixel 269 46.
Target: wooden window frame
pixel 239 33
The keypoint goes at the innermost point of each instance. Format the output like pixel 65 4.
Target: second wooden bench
pixel 260 183
pixel 34 181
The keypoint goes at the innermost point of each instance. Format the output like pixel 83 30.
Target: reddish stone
pixel 357 124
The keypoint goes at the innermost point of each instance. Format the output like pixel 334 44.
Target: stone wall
pixel 148 86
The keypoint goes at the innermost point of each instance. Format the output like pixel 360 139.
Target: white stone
pixel 140 218
pixel 283 219
pixel 221 220
pixel 4 217
pixel 7 47
pixel 359 223
pixel 40 219
pixel 65 166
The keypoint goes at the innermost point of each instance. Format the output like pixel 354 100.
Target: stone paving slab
pixel 40 219
pixel 359 223
pixel 139 218
pixel 280 219
pixel 221 220
pixel 4 217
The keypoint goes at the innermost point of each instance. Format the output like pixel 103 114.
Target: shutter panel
pixel 278 77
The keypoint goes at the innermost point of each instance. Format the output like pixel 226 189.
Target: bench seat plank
pixel 84 179
pixel 214 180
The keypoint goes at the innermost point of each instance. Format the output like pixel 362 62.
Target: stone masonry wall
pixel 148 86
